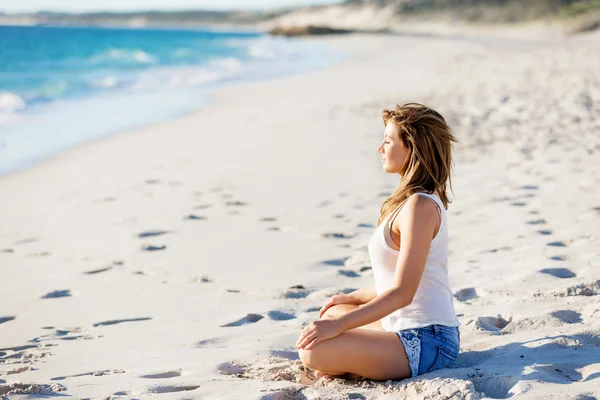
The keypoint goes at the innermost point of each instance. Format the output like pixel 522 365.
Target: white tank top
pixel 433 302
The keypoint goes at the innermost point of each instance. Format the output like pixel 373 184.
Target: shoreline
pixel 180 101
pixel 197 248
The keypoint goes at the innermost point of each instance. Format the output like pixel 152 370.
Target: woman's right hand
pixel 337 299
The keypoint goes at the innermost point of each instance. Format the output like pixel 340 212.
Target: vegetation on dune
pixel 487 10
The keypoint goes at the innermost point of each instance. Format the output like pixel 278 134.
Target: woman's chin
pixel 390 170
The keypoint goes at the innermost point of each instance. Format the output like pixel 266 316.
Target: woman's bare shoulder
pixel 419 208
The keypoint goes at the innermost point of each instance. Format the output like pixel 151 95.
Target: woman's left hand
pixel 317 331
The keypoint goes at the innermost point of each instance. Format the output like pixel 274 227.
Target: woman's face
pixel 392 149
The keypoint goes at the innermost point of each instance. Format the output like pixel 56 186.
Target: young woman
pixel 406 323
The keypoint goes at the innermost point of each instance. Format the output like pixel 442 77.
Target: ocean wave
pixel 266 48
pixel 108 82
pixel 10 107
pixel 213 72
pixel 135 56
pixel 10 102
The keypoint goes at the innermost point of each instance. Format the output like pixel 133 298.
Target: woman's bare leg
pixel 337 311
pixel 369 353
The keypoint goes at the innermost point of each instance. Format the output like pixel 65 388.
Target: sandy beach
pixel 181 260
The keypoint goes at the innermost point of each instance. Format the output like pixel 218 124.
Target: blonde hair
pixel 428 163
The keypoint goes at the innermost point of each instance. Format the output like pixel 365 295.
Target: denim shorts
pixel 431 347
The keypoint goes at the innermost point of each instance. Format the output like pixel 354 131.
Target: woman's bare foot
pixel 320 374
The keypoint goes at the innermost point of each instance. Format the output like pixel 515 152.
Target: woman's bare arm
pixel 363 295
pixel 417 223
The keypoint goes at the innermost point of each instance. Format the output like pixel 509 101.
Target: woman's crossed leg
pixel 367 351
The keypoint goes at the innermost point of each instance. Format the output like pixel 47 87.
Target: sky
pixel 12 6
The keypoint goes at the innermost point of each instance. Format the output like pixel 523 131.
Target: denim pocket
pixel 442 338
pixel 444 359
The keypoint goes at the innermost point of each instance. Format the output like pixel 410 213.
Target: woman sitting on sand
pixel 411 300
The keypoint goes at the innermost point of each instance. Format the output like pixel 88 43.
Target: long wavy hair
pixel 428 163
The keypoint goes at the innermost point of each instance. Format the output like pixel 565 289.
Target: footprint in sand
pixel 172 389
pixel 57 294
pixel 583 289
pixel 348 273
pixel 31 388
pixel 337 262
pixel 253 318
pixel 365 225
pixel 150 247
pixel 97 271
pixel 558 258
pixel 151 234
pixel 528 187
pixel 492 324
pixel 338 235
pixel 567 316
pixel 120 321
pixel 6 319
pixel 518 204
pixel 100 270
pixel 228 368
pixel 287 354
pixel 200 279
pixel 466 294
pixel 495 387
pixel 562 273
pixel 212 343
pixel 203 206
pixel 26 354
pixel 15 371
pixel 194 217
pixel 65 334
pixel 296 292
pixel 163 375
pixel 280 316
pixel 268 219
pixel 556 244
pixel 544 232
pixel 248 319
pixel 498 249
pixel 536 222
pixel 95 373
pixel 7 251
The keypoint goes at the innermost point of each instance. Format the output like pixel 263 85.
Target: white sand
pixel 302 152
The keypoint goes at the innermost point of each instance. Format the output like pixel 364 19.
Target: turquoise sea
pixel 63 86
